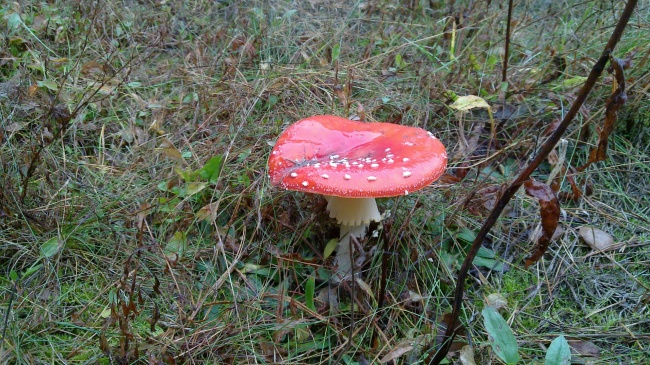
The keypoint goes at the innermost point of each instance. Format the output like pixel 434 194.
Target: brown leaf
pixel 596 239
pixel 103 344
pixel 584 348
pixel 169 151
pixel 155 316
pixel 614 102
pixel 549 208
pixel 467 355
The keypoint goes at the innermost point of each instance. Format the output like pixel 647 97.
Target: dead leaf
pixel 468 102
pixel 584 348
pixel 496 301
pixel 596 239
pixel 143 211
pixel 402 348
pixel 549 209
pixel 169 151
pixel 467 355
pixel 614 102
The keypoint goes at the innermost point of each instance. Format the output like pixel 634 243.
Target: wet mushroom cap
pixel 335 156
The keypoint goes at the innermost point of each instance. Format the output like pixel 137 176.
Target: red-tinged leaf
pixel 103 344
pixel 549 209
pixel 614 102
pixel 449 179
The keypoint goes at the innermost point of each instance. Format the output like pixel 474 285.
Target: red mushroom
pixel 352 163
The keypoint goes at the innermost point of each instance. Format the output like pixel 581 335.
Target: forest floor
pixel 138 223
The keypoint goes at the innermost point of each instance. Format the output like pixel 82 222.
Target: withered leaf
pixel 596 238
pixel 614 102
pixel 549 209
pixel 103 344
pixel 155 316
pixel 584 348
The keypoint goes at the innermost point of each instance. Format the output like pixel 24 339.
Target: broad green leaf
pixel 211 170
pixel 468 102
pixel 50 247
pixel 466 235
pixel 491 264
pixel 329 247
pixel 13 21
pixel 558 353
pixel 13 275
pixel 309 292
pixel 501 337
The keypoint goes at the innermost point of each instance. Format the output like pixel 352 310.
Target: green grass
pixel 120 224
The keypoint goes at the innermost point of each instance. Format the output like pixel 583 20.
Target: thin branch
pixel 504 72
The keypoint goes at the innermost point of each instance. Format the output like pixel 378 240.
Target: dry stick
pixel 504 72
pixel 510 191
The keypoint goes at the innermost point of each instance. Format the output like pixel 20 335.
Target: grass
pixel 137 223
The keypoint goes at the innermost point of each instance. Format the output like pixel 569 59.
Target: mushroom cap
pixel 330 155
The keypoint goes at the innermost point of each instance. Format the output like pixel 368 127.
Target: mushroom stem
pixel 354 215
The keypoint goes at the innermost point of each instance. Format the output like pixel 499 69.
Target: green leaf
pixel 309 292
pixel 558 353
pixel 176 246
pixel 466 235
pixel 501 337
pixel 336 51
pixel 50 247
pixel 13 275
pixel 488 263
pixel 329 248
pixel 49 84
pixel 31 270
pixel 13 21
pixel 211 170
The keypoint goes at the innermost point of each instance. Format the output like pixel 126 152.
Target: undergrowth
pixel 137 223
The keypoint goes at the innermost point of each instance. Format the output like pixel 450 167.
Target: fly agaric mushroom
pixel 352 163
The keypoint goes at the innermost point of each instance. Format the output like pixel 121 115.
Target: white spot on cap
pixel 406 173
pixel 334 156
pixel 390 160
pixel 372 178
pixel 304 183
pixel 347 177
pixel 360 165
pixel 317 165
pixel 333 164
pixel 390 155
pixel 387 149
pixel 325 176
pixel 374 165
pixel 408 143
pixel 406 192
pixel 293 174
pixel 406 159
